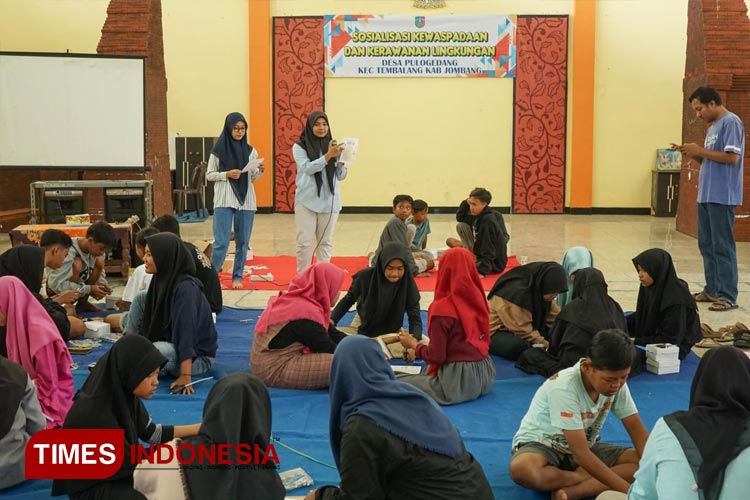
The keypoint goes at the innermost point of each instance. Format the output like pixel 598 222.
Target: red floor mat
pixel 283 268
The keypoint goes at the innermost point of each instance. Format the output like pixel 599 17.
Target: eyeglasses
pixel 239 129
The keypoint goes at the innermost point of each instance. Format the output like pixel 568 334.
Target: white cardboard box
pixel 661 369
pixel 95 329
pixel 662 349
pixel 664 362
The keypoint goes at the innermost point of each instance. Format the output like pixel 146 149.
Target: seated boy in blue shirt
pixel 419 225
pixel 557 446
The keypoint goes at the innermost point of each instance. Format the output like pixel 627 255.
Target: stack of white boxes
pixel 662 358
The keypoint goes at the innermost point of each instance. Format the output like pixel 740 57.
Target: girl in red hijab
pixel 460 368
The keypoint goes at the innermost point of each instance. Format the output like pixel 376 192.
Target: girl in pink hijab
pixel 294 339
pixel 32 340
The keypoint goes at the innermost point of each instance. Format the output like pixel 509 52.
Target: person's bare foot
pixel 237 284
pixel 454 243
pixel 559 495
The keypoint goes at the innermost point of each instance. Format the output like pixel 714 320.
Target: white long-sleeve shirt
pixel 224 196
pixel 307 189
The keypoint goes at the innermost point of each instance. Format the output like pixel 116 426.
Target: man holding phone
pixel 719 192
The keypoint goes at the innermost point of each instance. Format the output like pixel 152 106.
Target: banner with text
pixel 478 46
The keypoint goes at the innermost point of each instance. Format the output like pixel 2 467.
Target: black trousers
pixel 507 345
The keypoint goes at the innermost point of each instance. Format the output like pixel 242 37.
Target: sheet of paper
pixel 253 164
pixel 413 369
pixel 349 154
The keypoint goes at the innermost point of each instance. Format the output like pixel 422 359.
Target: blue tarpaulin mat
pixel 300 418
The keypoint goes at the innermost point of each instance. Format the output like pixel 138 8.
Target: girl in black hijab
pixel 522 307
pixel 383 293
pixel 237 411
pixel 317 200
pixel 234 195
pixel 590 311
pixel 711 439
pixel 26 262
pixel 666 310
pixel 20 418
pixel 111 399
pixel 177 316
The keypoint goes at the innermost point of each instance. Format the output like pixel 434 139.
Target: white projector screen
pixel 67 110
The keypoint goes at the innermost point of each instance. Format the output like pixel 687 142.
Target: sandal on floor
pixel 722 305
pixel 707 344
pixel 704 297
pixel 742 339
pixel 726 338
pixel 708 332
pixel 729 331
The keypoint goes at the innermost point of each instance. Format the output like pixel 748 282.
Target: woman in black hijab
pixel 666 310
pixel 26 262
pixel 590 311
pixel 383 293
pixel 111 399
pixel 317 200
pixel 20 418
pixel 703 452
pixel 177 316
pixel 234 195
pixel 522 307
pixel 237 412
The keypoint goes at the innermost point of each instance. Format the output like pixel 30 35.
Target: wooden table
pixel 119 259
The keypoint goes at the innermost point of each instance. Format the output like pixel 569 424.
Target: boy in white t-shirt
pixel 557 446
pixel 140 279
pixel 137 282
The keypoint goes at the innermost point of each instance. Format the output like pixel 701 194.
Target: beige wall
pixel 436 138
pixel 205 50
pixel 433 138
pixel 640 62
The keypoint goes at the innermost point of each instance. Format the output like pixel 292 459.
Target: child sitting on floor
pixel 294 340
pixel 137 283
pixel 206 273
pixel 458 321
pixel 666 310
pixel 383 294
pixel 522 307
pixel 419 225
pixel 557 446
pixel 83 267
pixel 397 231
pixel 482 231
pixel 388 439
pixel 176 315
pixel 574 260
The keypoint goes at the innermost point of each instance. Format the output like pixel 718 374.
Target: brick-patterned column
pixel 718 55
pixel 133 27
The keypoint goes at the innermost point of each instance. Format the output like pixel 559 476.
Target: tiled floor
pixel 613 240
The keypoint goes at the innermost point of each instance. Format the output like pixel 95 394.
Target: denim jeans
pixel 201 364
pixel 717 246
pixel 132 320
pixel 243 226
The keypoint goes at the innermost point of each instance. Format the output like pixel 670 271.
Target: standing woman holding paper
pixel 317 200
pixel 233 167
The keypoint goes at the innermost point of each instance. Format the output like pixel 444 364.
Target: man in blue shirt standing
pixel 719 192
